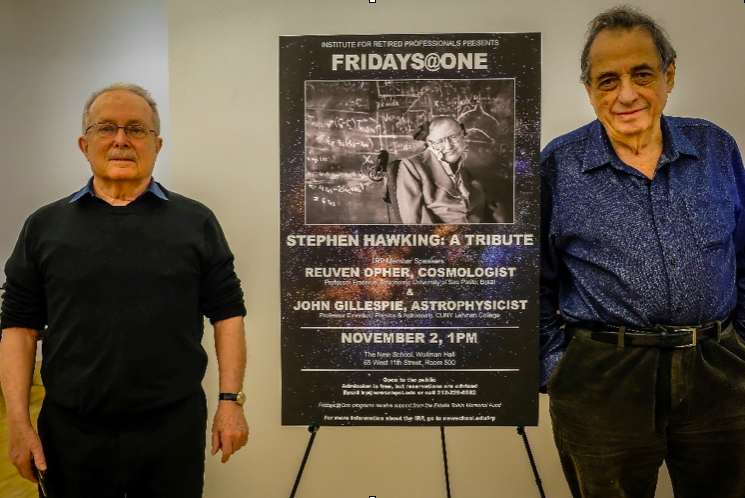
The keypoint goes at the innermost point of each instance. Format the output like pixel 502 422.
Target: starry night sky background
pixel 303 59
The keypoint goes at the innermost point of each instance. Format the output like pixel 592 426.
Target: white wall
pixel 224 96
pixel 224 142
pixel 53 55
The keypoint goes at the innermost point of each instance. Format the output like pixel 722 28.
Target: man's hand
pixel 229 430
pixel 18 353
pixel 26 452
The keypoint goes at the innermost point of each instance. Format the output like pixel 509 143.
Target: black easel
pixel 313 429
pixel 445 459
pixel 521 432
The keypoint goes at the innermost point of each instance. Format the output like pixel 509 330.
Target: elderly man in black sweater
pixel 121 274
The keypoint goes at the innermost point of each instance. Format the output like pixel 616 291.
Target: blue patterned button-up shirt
pixel 619 248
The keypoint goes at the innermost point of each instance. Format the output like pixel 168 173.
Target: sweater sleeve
pixel 221 295
pixel 24 302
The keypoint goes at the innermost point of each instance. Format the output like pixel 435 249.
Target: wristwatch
pixel 239 397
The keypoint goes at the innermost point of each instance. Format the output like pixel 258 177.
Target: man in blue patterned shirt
pixel 643 281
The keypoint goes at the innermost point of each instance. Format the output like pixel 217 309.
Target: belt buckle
pixel 692 344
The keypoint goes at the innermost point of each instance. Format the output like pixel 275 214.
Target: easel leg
pixel 313 429
pixel 521 432
pixel 445 459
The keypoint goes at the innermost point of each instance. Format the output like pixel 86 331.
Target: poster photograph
pixel 409 170
pixel 349 123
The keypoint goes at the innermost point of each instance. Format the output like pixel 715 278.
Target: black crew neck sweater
pixel 123 291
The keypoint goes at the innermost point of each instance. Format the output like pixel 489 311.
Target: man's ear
pixel 83 146
pixel 670 77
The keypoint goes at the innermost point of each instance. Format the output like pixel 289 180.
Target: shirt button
pixel 673 261
pixel 663 221
pixel 679 309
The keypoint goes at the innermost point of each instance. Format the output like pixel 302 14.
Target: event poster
pixel 409 169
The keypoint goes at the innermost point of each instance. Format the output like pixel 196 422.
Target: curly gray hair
pixel 626 17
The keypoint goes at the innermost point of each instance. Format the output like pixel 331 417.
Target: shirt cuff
pixel 548 365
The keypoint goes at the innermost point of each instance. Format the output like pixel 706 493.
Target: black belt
pixel 661 336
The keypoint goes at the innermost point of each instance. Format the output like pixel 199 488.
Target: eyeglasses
pixel 108 130
pixel 452 140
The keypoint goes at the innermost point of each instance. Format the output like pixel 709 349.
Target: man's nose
pixel 448 145
pixel 121 137
pixel 627 91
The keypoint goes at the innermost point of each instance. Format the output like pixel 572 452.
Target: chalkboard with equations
pixel 348 123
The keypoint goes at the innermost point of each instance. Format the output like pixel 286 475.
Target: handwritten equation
pixel 348 122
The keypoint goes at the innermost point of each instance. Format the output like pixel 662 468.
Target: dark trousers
pixel 159 454
pixel 619 412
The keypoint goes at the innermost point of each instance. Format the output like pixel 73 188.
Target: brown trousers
pixel 619 412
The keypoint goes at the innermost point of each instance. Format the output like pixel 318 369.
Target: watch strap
pixel 238 397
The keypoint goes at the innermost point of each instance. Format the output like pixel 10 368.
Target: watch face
pixel 240 398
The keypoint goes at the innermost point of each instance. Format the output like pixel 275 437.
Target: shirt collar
pixel 153 188
pixel 600 152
